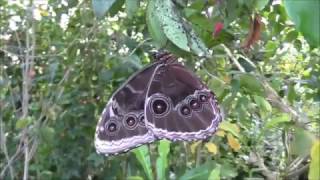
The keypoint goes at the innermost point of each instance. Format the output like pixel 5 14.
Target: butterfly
pixel 164 100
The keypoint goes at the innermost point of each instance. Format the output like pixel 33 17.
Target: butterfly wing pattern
pixel 179 106
pixel 164 100
pixel 121 126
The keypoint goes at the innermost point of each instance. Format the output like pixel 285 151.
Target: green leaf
pixel 162 160
pixel 201 172
pixel 251 84
pixel 291 94
pixel 262 103
pixel 47 133
pixel 260 4
pixel 217 86
pixel 230 127
pixel 228 171
pixel 170 22
pixel 306 17
pixel 177 30
pixel 116 7
pixel 154 26
pixel 135 178
pixel 302 142
pixel 131 7
pixel 278 120
pixel 101 7
pixel 23 122
pixel 215 174
pixel 314 173
pixel 96 159
pixel 143 156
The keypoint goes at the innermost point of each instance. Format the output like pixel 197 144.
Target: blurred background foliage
pixel 61 61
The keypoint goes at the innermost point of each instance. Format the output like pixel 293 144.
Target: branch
pixel 3 144
pixel 270 175
pixel 272 95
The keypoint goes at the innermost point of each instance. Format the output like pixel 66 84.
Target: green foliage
pixel 306 16
pixel 142 155
pixel 59 65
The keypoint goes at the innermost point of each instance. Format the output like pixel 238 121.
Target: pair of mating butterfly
pixel 162 101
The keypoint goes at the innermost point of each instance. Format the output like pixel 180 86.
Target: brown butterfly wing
pixel 121 126
pixel 179 106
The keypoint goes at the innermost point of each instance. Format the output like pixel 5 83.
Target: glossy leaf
pixel 153 23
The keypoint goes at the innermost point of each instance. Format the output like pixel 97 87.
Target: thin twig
pixel 4 147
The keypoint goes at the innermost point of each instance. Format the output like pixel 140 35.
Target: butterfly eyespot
pixel 130 121
pixel 112 127
pixel 203 98
pixel 185 110
pixel 160 105
pixel 194 104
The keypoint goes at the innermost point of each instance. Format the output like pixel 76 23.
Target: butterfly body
pixel 164 100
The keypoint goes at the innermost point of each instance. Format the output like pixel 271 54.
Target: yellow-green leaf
pixel 212 148
pixel 278 120
pixel 230 127
pixel 215 174
pixel 314 173
pixel 233 142
pixel 220 133
pixel 23 122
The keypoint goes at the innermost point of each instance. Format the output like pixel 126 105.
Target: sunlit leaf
pixel 143 156
pixel 162 160
pixel 274 122
pixel 314 173
pixel 220 133
pixel 230 127
pixel 212 148
pixel 233 142
pixel 215 174
pixel 262 103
